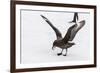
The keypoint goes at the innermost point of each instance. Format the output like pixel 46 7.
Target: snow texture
pixel 37 37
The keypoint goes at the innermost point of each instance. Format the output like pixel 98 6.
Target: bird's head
pixel 54 44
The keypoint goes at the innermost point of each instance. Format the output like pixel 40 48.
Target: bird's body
pixel 66 42
pixel 62 45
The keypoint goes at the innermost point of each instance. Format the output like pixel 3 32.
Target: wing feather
pixel 58 34
pixel 72 31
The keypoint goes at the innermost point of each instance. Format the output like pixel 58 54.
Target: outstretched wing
pixel 58 34
pixel 72 31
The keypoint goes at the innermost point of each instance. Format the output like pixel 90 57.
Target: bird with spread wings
pixel 66 41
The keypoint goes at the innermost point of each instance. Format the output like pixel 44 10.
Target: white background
pixel 37 37
pixel 5 36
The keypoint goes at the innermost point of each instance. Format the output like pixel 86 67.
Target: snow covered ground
pixel 37 38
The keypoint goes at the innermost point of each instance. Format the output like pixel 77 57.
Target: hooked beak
pixel 53 47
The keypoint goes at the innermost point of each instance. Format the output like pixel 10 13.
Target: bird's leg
pixel 60 53
pixel 65 53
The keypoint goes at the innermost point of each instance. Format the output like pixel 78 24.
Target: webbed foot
pixel 64 55
pixel 59 54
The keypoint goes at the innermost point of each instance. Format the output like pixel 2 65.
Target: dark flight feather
pixel 75 17
pixel 72 31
